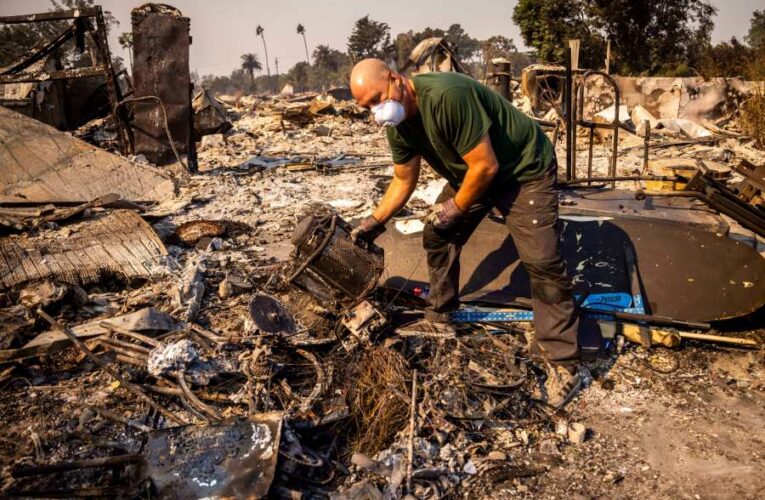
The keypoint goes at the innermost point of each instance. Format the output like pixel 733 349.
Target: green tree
pixel 251 64
pixel 370 39
pixel 467 47
pixel 756 36
pixel 126 42
pixel 647 36
pixel 330 68
pixel 547 25
pixel 654 36
pixel 726 59
pixel 298 75
pixel 402 47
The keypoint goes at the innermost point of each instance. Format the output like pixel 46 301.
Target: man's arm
pixel 400 189
pixel 482 167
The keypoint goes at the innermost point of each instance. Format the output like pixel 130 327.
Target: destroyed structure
pixel 166 333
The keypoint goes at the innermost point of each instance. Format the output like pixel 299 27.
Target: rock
pixel 213 141
pixel 549 447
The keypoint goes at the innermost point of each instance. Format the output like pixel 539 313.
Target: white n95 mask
pixel 389 113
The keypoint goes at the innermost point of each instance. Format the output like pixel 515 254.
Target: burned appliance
pixel 339 273
pixel 329 265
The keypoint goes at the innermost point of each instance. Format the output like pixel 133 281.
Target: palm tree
pixel 250 64
pixel 301 31
pixel 126 42
pixel 259 32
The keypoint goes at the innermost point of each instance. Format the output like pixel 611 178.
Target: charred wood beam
pixel 53 75
pixel 50 16
pixel 42 51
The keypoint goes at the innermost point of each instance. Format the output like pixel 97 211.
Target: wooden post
pixel 608 57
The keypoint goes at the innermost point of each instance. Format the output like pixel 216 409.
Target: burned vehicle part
pixel 329 265
pixel 162 97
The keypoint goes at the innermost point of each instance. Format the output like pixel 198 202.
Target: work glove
pixel 444 215
pixel 367 230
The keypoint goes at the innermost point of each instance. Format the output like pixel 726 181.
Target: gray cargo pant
pixel 531 214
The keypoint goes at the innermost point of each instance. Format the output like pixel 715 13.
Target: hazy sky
pixel 222 30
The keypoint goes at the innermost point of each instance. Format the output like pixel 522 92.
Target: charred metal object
pixel 331 267
pixel 268 315
pixel 362 322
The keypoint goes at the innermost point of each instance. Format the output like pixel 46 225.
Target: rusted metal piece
pixel 329 265
pixel 270 316
pixel 210 116
pixel 718 196
pixel 209 412
pixel 161 43
pixel 318 387
pixel 137 391
pixel 234 459
pixel 120 244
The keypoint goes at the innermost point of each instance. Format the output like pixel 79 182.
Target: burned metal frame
pixel 592 125
pixel 81 24
pixel 573 109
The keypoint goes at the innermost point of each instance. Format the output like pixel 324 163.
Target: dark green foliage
pixel 756 36
pixel 251 64
pixel 647 36
pixel 370 39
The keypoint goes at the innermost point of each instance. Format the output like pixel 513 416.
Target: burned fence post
pixel 162 100
pixel 501 77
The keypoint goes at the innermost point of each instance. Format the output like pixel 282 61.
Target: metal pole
pixel 646 144
pixel 567 111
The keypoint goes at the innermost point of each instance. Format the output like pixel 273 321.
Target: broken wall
pixel 669 98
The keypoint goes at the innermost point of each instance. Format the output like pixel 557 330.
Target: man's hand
pixel 444 215
pixel 367 230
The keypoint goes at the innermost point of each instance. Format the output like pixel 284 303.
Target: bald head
pixel 372 81
pixel 369 75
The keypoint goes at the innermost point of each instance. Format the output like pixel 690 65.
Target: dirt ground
pixel 695 433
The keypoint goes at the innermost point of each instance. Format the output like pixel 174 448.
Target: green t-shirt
pixel 455 112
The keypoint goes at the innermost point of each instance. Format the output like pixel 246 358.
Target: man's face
pixel 392 90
